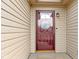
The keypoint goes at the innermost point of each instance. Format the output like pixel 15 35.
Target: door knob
pixel 56 28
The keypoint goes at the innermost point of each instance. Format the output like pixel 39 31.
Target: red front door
pixel 45 30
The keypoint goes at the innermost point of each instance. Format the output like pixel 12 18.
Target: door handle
pixel 56 28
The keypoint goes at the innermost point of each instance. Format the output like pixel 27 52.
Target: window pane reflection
pixel 45 20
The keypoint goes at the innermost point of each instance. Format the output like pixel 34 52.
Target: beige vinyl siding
pixel 72 30
pixel 60 33
pixel 15 29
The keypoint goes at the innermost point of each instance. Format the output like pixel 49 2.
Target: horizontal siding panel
pixel 13 42
pixel 15 29
pixel 11 36
pixel 72 30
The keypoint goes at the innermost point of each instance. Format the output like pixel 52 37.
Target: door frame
pixel 36 16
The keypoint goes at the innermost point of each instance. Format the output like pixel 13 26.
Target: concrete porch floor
pixel 49 56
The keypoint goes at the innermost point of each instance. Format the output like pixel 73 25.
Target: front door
pixel 45 30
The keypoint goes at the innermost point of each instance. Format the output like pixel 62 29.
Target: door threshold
pixel 45 51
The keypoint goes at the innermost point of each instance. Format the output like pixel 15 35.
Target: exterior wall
pixel 15 29
pixel 60 23
pixel 72 30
